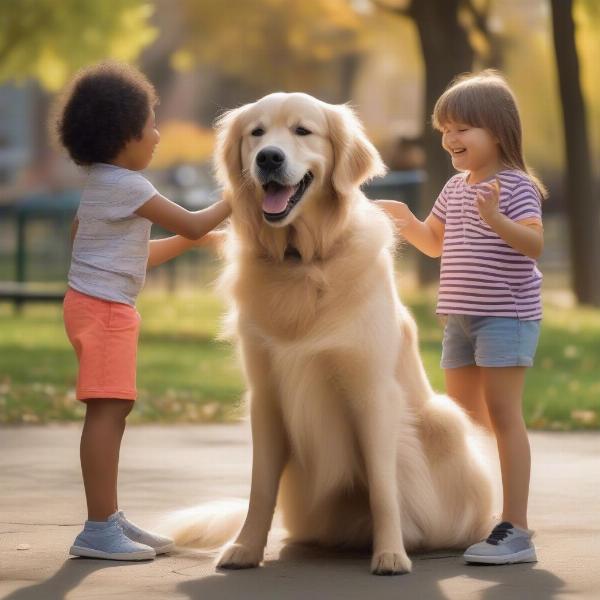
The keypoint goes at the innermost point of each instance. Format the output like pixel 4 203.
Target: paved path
pixel 162 468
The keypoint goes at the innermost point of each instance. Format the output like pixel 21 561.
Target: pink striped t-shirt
pixel 480 273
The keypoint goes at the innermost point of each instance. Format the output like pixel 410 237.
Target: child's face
pixel 138 152
pixel 472 148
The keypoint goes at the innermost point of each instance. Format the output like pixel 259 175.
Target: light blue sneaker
pixel 105 539
pixel 160 543
pixel 506 544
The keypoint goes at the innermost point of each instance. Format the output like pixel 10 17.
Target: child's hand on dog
pixel 399 211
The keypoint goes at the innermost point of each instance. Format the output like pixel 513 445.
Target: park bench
pixel 19 293
pixel 58 208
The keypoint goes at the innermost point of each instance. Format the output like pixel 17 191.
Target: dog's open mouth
pixel 280 199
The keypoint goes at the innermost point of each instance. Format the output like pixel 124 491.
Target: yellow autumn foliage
pixel 183 142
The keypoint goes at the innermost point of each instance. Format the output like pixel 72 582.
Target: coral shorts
pixel 105 336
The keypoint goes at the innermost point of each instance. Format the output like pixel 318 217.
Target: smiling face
pixel 286 152
pixel 292 167
pixel 472 149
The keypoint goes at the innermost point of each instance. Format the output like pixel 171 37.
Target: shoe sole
pixel 525 556
pixel 90 553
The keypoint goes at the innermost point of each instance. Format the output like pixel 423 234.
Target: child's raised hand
pixel 398 211
pixel 488 201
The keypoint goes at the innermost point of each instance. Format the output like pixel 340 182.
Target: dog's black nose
pixel 270 158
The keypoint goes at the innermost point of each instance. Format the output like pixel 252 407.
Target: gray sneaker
pixel 105 539
pixel 160 543
pixel 506 544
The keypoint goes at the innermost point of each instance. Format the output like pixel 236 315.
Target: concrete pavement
pixel 165 468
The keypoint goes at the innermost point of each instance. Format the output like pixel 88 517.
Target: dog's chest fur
pixel 314 321
pixel 292 300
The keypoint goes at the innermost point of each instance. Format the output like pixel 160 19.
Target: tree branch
pixel 480 18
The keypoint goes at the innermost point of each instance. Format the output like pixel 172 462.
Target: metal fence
pixel 35 244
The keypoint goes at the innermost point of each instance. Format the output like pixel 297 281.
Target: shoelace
pixel 499 533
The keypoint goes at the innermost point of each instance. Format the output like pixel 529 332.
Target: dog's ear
pixel 228 158
pixel 246 218
pixel 355 158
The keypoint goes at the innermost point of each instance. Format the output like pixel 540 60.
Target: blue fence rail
pixel 58 209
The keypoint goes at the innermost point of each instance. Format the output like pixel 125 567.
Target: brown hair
pixel 485 100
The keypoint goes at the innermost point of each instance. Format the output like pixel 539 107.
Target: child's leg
pixel 99 451
pixel 503 389
pixel 103 535
pixel 465 385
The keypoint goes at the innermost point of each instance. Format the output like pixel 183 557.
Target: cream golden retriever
pixel 350 443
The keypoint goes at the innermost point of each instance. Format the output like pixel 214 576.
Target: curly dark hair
pixel 104 107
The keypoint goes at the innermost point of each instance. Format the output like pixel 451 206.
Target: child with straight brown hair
pixel 486 225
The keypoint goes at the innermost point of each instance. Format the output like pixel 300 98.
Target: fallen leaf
pixel 586 417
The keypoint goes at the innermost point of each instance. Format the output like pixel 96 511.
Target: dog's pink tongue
pixel 276 199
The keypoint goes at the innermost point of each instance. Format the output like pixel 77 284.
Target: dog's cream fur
pixel 349 440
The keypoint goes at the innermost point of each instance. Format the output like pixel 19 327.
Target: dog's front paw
pixel 390 563
pixel 238 556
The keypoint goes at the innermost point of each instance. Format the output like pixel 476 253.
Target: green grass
pixel 563 388
pixel 184 375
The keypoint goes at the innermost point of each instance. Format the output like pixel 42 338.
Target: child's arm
pixel 165 249
pixel 213 240
pixel 526 237
pixel 427 236
pixel 189 224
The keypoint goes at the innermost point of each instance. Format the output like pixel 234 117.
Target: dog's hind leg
pixel 459 471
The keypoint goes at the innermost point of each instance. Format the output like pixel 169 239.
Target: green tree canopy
pixel 49 40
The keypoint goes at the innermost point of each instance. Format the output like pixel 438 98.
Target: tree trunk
pixel 446 53
pixel 583 207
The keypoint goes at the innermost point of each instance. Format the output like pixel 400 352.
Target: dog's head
pixel 289 156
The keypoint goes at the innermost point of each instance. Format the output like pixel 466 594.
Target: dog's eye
pixel 302 131
pixel 258 132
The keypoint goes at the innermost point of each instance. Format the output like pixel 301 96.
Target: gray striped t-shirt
pixel 110 250
pixel 480 273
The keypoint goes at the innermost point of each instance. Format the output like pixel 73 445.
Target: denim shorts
pixel 489 342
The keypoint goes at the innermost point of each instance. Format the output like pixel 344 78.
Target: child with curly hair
pixel 107 124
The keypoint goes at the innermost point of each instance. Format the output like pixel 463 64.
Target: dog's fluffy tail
pixel 207 526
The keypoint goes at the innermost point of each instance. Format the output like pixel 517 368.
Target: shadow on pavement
pixel 306 572
pixel 66 579
pixel 516 581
